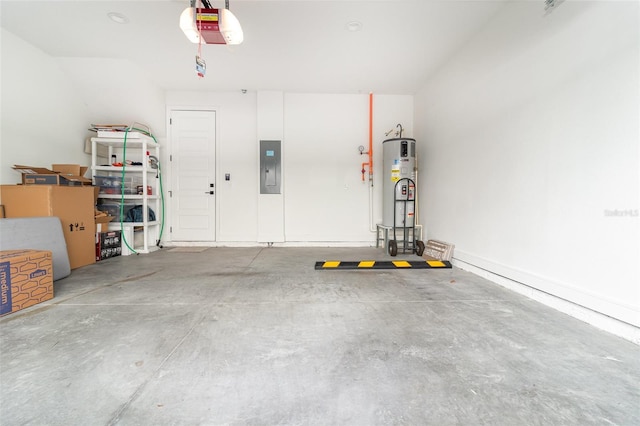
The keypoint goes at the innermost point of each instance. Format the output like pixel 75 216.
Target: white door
pixel 193 160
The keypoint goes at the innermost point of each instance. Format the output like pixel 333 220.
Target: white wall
pixel 43 117
pixel 236 154
pixel 325 197
pixel 117 91
pixel 325 200
pixel 270 118
pixel 48 105
pixel 530 137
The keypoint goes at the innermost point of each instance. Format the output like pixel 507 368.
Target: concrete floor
pixel 256 336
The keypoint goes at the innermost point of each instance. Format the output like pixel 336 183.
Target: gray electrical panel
pixel 270 167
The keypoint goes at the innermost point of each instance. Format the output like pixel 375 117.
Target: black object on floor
pixel 377 264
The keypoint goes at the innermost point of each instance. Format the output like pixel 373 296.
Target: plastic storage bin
pixel 114 184
pixel 113 209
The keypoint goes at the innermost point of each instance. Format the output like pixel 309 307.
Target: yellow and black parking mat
pixel 383 264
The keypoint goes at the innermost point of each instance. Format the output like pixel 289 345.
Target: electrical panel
pixel 270 167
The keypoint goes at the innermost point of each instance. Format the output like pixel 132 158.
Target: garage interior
pixel 255 336
pixel 526 117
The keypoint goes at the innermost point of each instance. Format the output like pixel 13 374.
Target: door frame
pixel 168 177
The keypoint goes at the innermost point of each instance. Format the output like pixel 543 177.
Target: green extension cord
pixel 124 165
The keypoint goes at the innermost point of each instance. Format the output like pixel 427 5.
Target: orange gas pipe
pixel 370 152
pixel 371 136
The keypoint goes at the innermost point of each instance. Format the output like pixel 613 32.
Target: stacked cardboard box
pixel 26 278
pixel 61 174
pixel 74 205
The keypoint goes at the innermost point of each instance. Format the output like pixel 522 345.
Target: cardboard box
pixel 37 175
pixel 102 223
pixel 62 174
pixel 102 219
pixel 70 169
pixel 26 278
pixel 73 205
pixel 72 173
pixel 108 244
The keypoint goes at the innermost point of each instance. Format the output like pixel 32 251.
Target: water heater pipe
pixel 370 152
pixel 371 224
pixel 371 138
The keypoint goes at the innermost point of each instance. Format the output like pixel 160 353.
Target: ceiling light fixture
pixel 118 17
pixel 188 24
pixel 211 26
pixel 354 26
pixel 230 27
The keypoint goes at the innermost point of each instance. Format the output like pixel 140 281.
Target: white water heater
pixel 399 162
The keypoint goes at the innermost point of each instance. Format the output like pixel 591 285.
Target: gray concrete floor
pixel 256 336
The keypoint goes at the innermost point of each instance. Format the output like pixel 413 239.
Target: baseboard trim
pixel 275 244
pixel 599 320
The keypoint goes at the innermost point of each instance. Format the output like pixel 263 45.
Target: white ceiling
pixel 294 45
